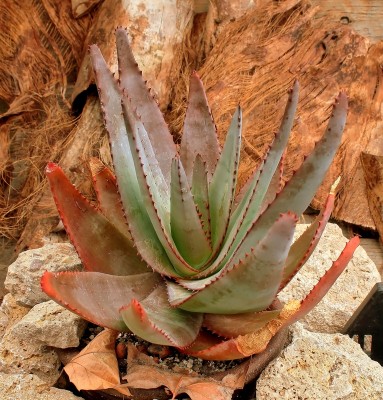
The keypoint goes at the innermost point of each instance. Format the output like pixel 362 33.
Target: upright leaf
pixel 223 183
pixel 151 197
pixel 134 86
pixel 250 205
pixel 299 191
pixel 186 226
pixel 199 133
pixel 140 226
pixel 200 192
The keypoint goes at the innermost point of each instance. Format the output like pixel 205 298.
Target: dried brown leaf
pixel 144 373
pixel 96 367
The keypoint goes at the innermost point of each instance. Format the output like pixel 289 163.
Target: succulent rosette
pixel 174 252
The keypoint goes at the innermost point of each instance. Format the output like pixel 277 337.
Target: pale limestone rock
pixel 27 335
pixel 321 366
pixel 351 288
pixel 30 387
pixel 10 313
pixel 3 274
pixel 52 325
pixel 21 354
pixel 23 279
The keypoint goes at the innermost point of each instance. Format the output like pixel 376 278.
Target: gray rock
pixel 30 387
pixel 323 367
pixel 23 278
pixel 332 313
pixel 52 325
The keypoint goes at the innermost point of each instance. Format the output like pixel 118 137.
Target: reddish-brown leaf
pixel 144 373
pixel 95 367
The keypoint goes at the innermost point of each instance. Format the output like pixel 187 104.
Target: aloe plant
pixel 174 252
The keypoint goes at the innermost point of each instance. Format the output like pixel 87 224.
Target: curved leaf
pixel 144 373
pixel 303 247
pixel 101 246
pixel 98 297
pixel 325 283
pixel 210 347
pixel 233 325
pixel 96 366
pixel 253 282
pixel 299 191
pixel 155 321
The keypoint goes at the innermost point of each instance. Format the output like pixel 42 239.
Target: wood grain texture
pixel 255 67
pixel 364 16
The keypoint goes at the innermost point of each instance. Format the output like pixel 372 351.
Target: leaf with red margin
pixel 200 192
pixel 145 374
pixel 298 192
pixel 101 246
pixel 209 347
pixel 252 195
pixel 233 325
pixel 157 207
pixel 223 183
pixel 134 87
pixel 303 247
pixel 98 297
pixel 325 283
pixel 140 226
pixel 96 367
pixel 253 282
pixel 248 202
pixel 199 135
pixel 154 320
pixel 275 185
pixel 186 225
pixel 109 200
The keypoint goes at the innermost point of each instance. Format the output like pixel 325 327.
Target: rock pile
pixel 318 363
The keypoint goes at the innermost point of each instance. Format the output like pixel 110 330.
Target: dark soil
pixel 165 356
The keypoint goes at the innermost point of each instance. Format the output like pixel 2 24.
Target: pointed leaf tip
pixel 199 133
pixel 51 167
pixel 325 282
